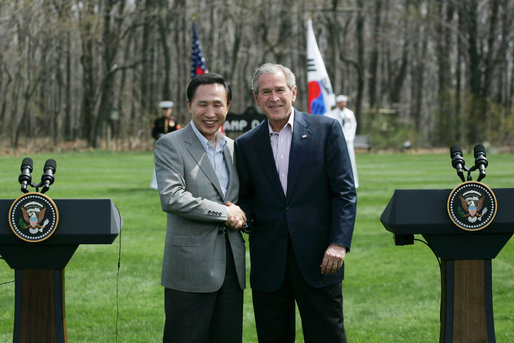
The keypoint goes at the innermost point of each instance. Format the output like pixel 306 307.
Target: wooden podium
pixel 39 267
pixel 466 284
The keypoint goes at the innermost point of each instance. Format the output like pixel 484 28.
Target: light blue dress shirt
pixel 216 157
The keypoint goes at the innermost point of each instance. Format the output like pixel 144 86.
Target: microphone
pixel 480 160
pixel 457 160
pixel 48 177
pixel 25 178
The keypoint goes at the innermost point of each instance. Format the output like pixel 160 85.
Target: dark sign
pixel 243 122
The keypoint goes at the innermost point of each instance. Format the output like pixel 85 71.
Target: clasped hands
pixel 236 217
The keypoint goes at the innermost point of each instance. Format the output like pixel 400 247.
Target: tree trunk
pixel 373 59
pixel 446 118
pixel 147 53
pixel 3 106
pixel 164 34
pixel 30 89
pixel 88 78
pixel 110 38
pixel 361 62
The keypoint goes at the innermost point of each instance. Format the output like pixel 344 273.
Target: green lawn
pixel 391 294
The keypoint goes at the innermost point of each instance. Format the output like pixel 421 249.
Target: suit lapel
pixel 198 153
pixel 233 186
pixel 302 135
pixel 265 153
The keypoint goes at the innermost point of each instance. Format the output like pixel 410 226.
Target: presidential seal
pixel 33 217
pixel 472 206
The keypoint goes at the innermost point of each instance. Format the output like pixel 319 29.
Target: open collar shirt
pixel 281 146
pixel 216 156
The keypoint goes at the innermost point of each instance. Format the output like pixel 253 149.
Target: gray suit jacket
pixel 194 253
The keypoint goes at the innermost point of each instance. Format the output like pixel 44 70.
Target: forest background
pixel 433 73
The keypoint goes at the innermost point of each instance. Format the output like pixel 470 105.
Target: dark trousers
pixel 321 310
pixel 206 317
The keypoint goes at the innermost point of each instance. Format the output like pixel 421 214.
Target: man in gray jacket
pixel 204 255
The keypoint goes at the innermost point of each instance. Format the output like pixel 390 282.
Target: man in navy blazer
pixel 297 190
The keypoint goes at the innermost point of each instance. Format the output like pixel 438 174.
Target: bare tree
pixel 66 66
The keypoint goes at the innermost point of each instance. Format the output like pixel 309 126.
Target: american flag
pixel 198 65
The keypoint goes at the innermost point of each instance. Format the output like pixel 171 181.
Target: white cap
pixel 166 104
pixel 341 98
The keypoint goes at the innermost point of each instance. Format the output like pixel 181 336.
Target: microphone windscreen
pixel 50 164
pixel 27 162
pixel 454 149
pixel 479 149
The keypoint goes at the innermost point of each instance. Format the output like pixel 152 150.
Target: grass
pixel 391 294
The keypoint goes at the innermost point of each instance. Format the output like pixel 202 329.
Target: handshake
pixel 236 217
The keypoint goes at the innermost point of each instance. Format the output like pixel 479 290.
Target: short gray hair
pixel 271 68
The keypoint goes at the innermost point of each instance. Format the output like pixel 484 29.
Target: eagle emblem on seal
pixel 34 217
pixel 473 206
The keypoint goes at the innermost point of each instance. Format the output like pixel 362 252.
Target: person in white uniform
pixel 346 118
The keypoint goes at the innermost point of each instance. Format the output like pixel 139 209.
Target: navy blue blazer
pixel 319 207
